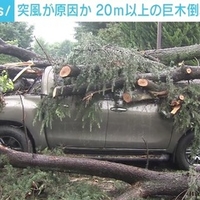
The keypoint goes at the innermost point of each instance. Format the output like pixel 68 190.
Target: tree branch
pixel 18 52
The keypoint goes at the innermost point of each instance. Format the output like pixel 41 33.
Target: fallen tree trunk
pixel 22 54
pixel 184 72
pixel 176 74
pixel 175 54
pixel 13 71
pixel 17 52
pixel 165 56
pixel 69 71
pixel 144 182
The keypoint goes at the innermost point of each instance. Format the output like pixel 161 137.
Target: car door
pixel 136 126
pixel 70 132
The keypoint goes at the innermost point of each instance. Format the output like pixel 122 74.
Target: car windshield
pixel 36 88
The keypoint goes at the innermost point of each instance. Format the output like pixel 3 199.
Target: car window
pixel 36 88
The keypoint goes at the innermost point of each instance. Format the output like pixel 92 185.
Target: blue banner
pixel 100 10
pixel 7 13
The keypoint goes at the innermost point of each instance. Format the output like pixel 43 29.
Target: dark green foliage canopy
pixel 58 50
pixel 17 31
pixel 143 35
pixel 84 27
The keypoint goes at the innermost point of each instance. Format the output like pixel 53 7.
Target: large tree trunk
pixel 165 56
pixel 144 182
pixel 20 53
pixel 175 54
pixel 176 74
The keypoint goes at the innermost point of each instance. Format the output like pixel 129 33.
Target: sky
pixel 54 31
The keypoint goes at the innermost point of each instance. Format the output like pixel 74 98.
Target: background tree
pixel 180 34
pixel 20 31
pixel 56 50
pixel 143 35
pixel 92 27
pixel 17 33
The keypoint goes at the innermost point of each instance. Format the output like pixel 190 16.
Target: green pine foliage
pixel 21 32
pixel 35 184
pixel 188 118
pixel 104 61
pixel 49 109
pixel 180 34
pixel 5 84
pixel 15 33
pixel 104 64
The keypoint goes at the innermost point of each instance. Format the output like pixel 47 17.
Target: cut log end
pixel 188 70
pixel 181 97
pixel 65 71
pixel 142 82
pixel 127 97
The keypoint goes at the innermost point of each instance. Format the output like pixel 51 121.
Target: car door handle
pixel 118 109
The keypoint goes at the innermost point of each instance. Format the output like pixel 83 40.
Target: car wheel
pixel 15 139
pixel 183 157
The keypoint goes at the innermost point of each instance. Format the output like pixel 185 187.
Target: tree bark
pixel 130 97
pixel 150 182
pixel 17 52
pixel 175 54
pixel 69 71
pixel 149 85
pixel 70 90
pixel 22 54
pixel 13 71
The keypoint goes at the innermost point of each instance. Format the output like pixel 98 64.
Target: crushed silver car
pixel 123 131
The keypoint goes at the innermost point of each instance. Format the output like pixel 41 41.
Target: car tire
pixel 14 138
pixel 183 157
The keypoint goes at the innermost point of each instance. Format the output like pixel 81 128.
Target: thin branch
pixel 47 57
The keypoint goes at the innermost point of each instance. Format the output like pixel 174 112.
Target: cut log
pixel 149 85
pixel 142 82
pixel 181 97
pixel 69 71
pixel 188 70
pixel 136 96
pixel 177 74
pixel 127 97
